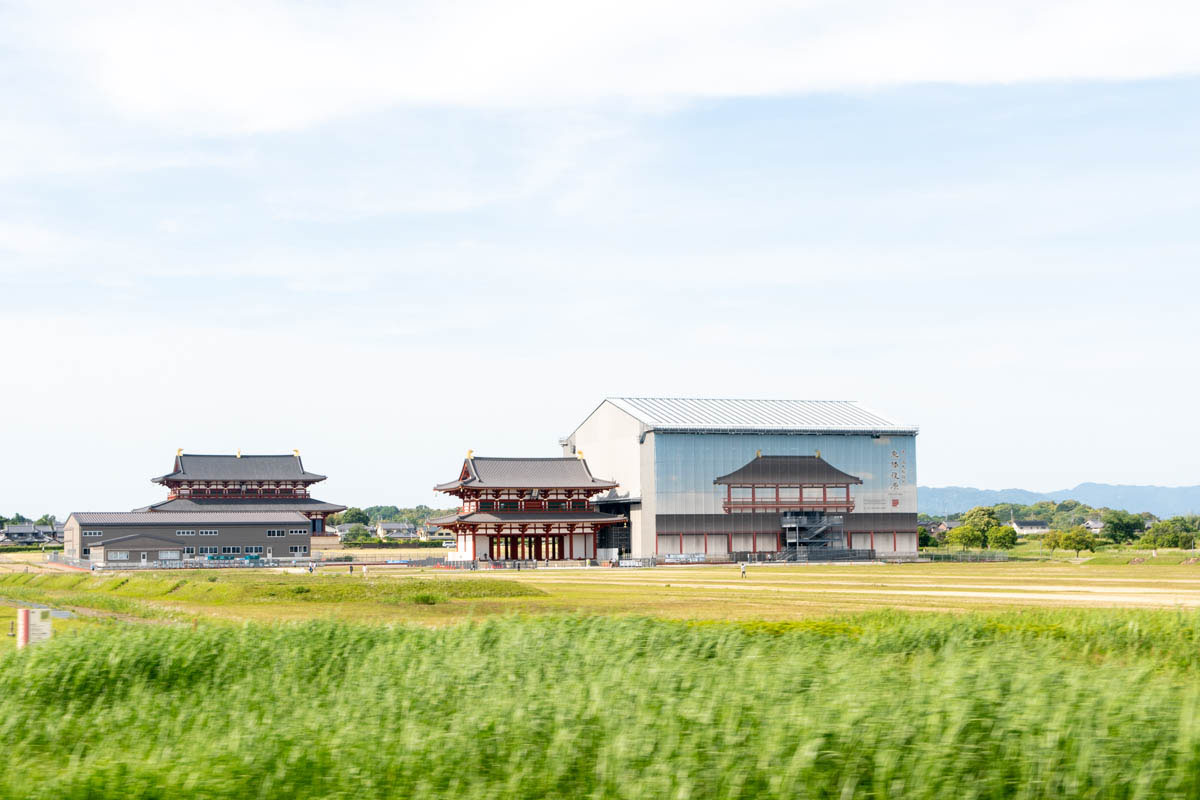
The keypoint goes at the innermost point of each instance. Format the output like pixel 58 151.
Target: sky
pixel 385 234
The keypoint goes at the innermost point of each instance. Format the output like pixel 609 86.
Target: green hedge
pixel 29 548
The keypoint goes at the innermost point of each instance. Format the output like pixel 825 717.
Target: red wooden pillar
pixel 754 541
pixel 681 544
pixel 571 545
pixel 872 540
pixel 706 543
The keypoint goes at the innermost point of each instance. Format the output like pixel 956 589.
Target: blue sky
pixel 386 234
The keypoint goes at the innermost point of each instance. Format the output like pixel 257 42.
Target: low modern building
pixel 250 483
pixel 158 536
pixel 721 477
pixel 525 509
pixel 1025 527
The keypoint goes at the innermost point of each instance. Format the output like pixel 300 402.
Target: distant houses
pixel 27 533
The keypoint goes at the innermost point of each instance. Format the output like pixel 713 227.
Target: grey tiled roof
pixel 239 468
pixel 160 518
pixel 257 504
pixel 527 473
pixel 1032 523
pixel 529 517
pixel 788 470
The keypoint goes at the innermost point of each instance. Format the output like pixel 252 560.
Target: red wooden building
pixel 525 509
pixel 243 483
pixel 788 483
pixel 799 499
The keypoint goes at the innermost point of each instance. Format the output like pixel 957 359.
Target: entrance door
pixel 268 552
pixel 145 557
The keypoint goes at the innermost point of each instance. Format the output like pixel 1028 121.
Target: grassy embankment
pixel 768 593
pixel 1034 704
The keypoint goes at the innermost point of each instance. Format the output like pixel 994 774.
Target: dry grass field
pixel 772 593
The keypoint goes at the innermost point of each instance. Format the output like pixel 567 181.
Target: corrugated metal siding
pixel 680 413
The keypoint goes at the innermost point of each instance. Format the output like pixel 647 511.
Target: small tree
pixel 966 536
pixel 358 533
pixel 355 516
pixel 1052 541
pixel 1121 526
pixel 1002 538
pixel 981 518
pixel 45 519
pixel 924 539
pixel 1079 538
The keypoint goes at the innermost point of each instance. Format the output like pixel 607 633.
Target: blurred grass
pixel 1032 704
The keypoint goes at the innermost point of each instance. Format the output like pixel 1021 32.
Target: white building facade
pixel 677 462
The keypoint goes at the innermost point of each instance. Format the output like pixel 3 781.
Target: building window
pixel 579 505
pixel 813 494
pixel 208 551
pixel 189 551
pixel 87 551
pixel 835 493
pixel 231 550
pixel 298 549
pixel 168 555
pixel 93 533
pixel 298 532
pixel 274 533
pixel 185 533
pixel 556 505
pixel 118 555
pixel 487 505
pixel 789 494
pixel 509 505
pixel 209 533
pixel 254 548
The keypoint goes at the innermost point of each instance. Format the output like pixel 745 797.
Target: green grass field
pixel 1035 704
pixel 1023 680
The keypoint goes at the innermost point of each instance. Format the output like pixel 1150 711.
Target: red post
pixel 22 627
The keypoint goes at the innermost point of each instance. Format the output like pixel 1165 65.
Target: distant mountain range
pixel 1162 501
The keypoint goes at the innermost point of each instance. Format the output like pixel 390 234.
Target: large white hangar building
pixel 709 476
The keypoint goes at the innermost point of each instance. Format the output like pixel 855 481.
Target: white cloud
pixel 247 66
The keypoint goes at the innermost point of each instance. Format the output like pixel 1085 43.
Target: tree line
pixel 21 519
pixel 982 527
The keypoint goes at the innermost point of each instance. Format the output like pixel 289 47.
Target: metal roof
pixel 765 416
pixel 525 473
pixel 165 518
pixel 192 467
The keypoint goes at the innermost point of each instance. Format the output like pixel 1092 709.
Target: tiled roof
pixel 788 470
pixel 257 504
pixel 526 473
pixel 160 518
pixel 801 416
pixel 239 468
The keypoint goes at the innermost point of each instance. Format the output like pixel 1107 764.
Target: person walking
pixel 743 569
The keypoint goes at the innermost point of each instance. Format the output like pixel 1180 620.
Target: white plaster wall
pixel 609 441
